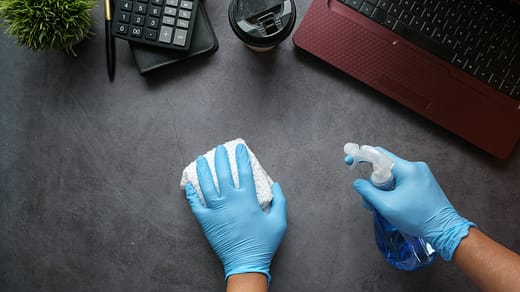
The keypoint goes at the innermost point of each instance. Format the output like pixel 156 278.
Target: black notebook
pixel 204 40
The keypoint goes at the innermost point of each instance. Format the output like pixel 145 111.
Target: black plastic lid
pixel 262 23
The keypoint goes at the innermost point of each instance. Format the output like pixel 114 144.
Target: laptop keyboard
pixel 476 37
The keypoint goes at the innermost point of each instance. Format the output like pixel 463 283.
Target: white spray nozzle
pixel 381 163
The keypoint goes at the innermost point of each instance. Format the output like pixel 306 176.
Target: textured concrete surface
pixel 89 170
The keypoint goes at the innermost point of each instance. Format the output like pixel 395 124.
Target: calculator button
pixel 153 23
pixel 165 35
pixel 170 11
pixel 122 28
pixel 183 23
pixel 140 8
pixel 126 6
pixel 125 17
pixel 150 34
pixel 180 37
pixel 172 2
pixel 168 20
pixel 186 4
pixel 157 2
pixel 155 11
pixel 137 31
pixel 184 14
pixel 138 20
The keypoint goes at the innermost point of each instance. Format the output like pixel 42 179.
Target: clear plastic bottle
pixel 401 250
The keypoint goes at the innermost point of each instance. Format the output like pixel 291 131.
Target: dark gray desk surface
pixel 89 170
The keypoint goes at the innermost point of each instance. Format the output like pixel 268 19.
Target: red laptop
pixel 455 62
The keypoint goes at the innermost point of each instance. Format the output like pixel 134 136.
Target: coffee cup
pixel 262 24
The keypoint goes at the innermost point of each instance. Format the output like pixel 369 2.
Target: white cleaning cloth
pixel 263 182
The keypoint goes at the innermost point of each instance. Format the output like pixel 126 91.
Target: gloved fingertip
pixel 201 162
pixel 245 170
pixel 193 197
pixel 220 150
pixel 189 189
pixel 241 153
pixel 349 160
pixel 241 149
pixel 360 184
pixel 371 195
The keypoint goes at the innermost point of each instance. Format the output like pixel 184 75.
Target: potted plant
pixel 47 24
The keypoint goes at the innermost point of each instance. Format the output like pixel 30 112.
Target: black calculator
pixel 164 23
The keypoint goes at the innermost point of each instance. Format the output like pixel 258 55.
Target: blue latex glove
pixel 417 206
pixel 243 236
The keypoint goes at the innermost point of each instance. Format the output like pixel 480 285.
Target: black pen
pixel 109 41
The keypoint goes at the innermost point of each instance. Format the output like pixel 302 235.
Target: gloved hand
pixel 243 236
pixel 417 205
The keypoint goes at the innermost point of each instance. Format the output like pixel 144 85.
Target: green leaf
pixel 44 24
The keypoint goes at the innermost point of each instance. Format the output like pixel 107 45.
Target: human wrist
pixel 445 230
pixel 247 282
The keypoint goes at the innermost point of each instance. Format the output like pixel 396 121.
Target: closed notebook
pixel 204 40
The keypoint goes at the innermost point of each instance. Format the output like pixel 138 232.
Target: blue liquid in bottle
pixel 402 251
pixel 405 252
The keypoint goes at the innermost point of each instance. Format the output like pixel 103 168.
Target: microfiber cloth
pixel 263 182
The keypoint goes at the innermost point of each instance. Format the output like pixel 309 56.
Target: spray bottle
pixel 403 251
